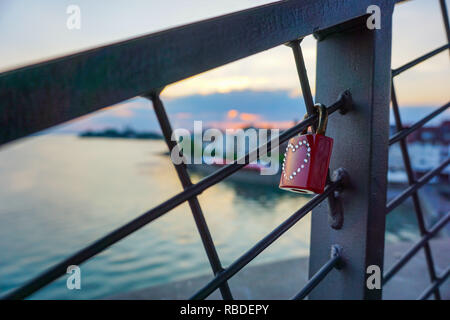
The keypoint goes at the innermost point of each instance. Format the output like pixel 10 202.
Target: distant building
pixel 428 147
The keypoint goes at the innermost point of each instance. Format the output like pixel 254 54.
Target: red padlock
pixel 307 158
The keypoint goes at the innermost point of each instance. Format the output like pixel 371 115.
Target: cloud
pixel 238 109
pixel 123 112
pixel 249 116
pixel 183 115
pixel 233 113
pixel 271 70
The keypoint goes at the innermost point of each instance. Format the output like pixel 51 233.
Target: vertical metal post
pixel 303 76
pixel 357 59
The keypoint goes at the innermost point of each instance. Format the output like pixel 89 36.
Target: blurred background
pixel 65 187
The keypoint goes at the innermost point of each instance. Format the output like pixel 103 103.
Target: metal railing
pixel 416 184
pixel 43 95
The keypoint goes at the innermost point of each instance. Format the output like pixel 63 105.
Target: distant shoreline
pixel 116 134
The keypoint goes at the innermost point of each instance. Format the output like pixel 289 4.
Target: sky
pixel 232 110
pixel 33 31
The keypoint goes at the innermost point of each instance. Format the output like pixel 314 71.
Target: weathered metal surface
pixel 357 59
pixel 336 210
pixel 43 95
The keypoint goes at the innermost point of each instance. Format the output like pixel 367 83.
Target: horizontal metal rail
pixel 407 131
pixel 265 242
pixel 335 259
pixel 151 215
pixel 414 187
pixel 411 252
pixel 43 95
pixel 436 284
pixel 396 72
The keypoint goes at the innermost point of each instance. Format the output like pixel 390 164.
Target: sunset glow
pixel 232 114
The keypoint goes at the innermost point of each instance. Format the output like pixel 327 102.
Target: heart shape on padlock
pixel 302 164
pixel 305 164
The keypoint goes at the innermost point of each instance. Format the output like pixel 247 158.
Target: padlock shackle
pixel 323 118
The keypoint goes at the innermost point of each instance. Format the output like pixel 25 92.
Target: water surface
pixel 60 193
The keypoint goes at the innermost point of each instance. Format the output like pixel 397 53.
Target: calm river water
pixel 60 193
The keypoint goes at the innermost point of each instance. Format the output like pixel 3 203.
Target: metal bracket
pixel 347 26
pixel 336 212
pixel 151 95
pixel 294 42
pixel 336 251
pixel 346 96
